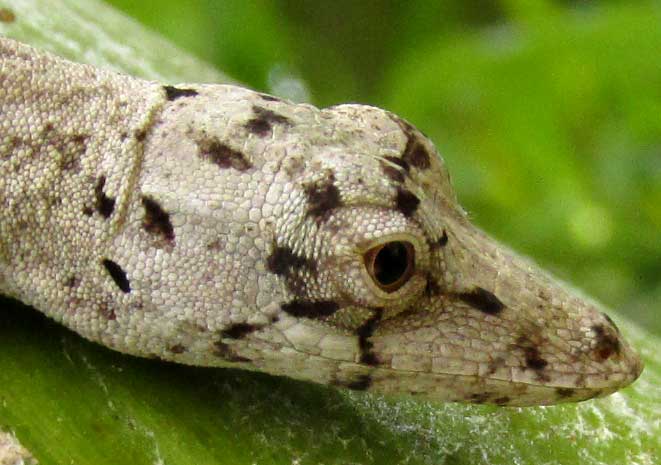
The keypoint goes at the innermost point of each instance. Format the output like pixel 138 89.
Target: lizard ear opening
pixel 390 265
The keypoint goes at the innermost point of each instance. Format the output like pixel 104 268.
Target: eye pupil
pixel 391 265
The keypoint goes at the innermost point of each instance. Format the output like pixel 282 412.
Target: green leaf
pixel 71 401
pixel 92 32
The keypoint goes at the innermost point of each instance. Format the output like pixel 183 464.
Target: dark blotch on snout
pixel 482 300
pixel 607 343
pixel 415 153
pixel 406 202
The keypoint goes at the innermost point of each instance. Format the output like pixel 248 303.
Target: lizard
pixel 214 225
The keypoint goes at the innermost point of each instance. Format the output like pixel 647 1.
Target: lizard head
pixel 391 288
pixel 346 259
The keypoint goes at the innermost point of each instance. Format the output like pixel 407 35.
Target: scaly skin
pixel 212 225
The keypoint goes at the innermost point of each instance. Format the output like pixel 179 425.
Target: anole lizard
pixel 213 225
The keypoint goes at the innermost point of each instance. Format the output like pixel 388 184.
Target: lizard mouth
pixel 504 374
pixel 466 388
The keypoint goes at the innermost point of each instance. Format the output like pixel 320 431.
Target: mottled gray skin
pixel 212 225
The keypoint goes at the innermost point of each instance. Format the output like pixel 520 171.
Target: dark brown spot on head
pixel 156 220
pixel 607 343
pixel 173 93
pixel 323 196
pixel 502 400
pixel 72 281
pixel 283 261
pixel 222 155
pixel 310 309
pixel 415 153
pixel 406 202
pixel 482 300
pixel 294 268
pixel 263 120
pixel 104 204
pixel 117 274
pixel 259 127
pixel 238 330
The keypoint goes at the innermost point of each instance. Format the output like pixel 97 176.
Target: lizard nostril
pixel 391 265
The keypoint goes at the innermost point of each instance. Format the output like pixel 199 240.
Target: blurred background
pixel 548 113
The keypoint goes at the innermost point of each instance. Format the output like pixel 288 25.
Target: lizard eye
pixel 390 265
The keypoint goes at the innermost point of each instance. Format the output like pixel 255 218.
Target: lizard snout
pixel 504 332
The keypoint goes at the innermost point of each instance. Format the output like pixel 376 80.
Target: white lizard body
pixel 213 225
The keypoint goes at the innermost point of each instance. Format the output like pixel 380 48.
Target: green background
pixel 547 113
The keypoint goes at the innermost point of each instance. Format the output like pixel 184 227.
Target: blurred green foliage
pixel 547 113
